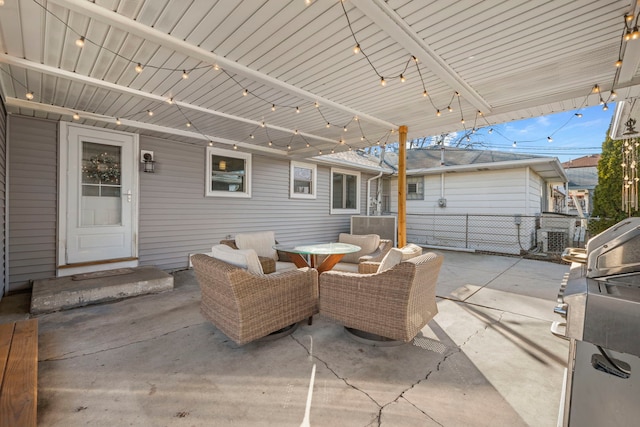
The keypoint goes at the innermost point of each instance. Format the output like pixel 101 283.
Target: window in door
pixel 101 203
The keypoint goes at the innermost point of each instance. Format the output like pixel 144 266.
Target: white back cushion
pixel 243 258
pixel 368 243
pixel 410 250
pixel 262 242
pixel 390 260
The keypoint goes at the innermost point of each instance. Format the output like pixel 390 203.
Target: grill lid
pixel 616 250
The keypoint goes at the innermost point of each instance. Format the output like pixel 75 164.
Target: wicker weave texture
pixel 396 303
pixel 246 307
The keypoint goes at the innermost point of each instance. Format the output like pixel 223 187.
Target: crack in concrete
pixel 326 364
pixel 62 356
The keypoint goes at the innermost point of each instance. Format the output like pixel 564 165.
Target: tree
pixel 607 198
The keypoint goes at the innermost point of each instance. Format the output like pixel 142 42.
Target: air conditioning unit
pixel 552 241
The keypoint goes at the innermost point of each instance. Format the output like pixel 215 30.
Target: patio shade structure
pixel 300 78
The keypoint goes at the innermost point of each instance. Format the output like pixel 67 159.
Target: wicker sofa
pixel 395 303
pixel 246 306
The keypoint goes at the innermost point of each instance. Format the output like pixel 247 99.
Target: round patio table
pixel 333 251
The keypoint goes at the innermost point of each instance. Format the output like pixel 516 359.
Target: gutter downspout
pixel 369 191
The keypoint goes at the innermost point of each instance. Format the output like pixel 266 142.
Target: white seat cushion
pixel 390 260
pixel 262 242
pixel 243 258
pixel 368 244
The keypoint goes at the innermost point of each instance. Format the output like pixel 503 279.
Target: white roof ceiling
pixel 507 59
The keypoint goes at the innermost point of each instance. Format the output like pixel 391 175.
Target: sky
pixel 572 136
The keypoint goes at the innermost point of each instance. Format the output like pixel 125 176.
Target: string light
pixel 356 49
pixel 29 96
pixel 273 107
pixel 216 67
pixel 618 63
pixel 139 68
pixel 549 139
pixel 425 93
pixel 297 110
pixel 450 109
pixel 169 100
pixel 605 107
pixel 328 125
pixel 344 128
pixel 245 92
pixel 402 78
pixel 578 115
pixel 80 41
pixel 383 82
pixel 188 124
pixel 150 113
pixel 76 116
pixel 235 147
pixel 515 144
pixel 185 75
pixel 438 113
pixel 118 122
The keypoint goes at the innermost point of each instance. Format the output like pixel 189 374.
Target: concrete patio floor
pixel 487 359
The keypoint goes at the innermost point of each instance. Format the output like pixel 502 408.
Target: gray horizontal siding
pixel 177 219
pixel 33 186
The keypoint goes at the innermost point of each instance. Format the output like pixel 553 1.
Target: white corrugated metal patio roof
pixel 506 59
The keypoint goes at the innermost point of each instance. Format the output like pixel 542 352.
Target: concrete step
pixel 62 293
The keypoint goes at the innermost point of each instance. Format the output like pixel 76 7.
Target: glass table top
pixel 317 248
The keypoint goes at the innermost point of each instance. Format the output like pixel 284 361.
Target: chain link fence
pixel 548 233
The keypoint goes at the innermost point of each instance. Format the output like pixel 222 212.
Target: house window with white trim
pixel 302 180
pixel 228 173
pixel 415 188
pixel 345 192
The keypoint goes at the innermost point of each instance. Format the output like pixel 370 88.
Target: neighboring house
pixel 582 174
pixel 476 199
pixel 61 219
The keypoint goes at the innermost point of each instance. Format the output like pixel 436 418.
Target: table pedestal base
pixel 287 330
pixel 371 339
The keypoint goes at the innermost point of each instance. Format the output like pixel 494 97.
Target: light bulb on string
pixel 263 124
pixel 270 143
pixel 80 41
pixel 150 113
pixel 295 132
pixel 383 82
pixel 344 128
pixel 490 131
pixel 438 113
pixel 333 151
pixel 251 136
pixel 605 107
pixel 308 145
pixel 297 110
pixel 614 95
pixel 618 63
pixel 515 144
pixel 403 78
pixel 356 49
pixel 245 92
pixel 169 100
pixel 29 96
pixel 118 122
pixel 328 125
pixel 235 147
pixel 315 104
pixel 216 67
pixel 288 147
pixel 462 121
pixel 76 116
pixel 138 68
pixel 549 139
pixel 596 89
pixel 210 144
pixel 188 124
pixel 450 109
pixel 273 107
pixel 185 75
pixel 578 115
pixel 425 93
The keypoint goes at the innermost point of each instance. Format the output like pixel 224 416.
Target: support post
pixel 402 187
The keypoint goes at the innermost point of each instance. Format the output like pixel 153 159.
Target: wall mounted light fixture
pixel 146 157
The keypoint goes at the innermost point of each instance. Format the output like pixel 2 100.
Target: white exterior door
pixel 99 199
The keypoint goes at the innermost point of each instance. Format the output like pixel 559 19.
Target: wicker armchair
pixel 245 306
pixel 395 304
